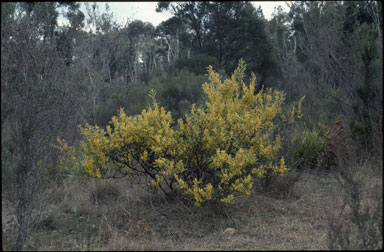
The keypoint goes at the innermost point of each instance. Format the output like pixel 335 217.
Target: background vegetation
pixel 54 78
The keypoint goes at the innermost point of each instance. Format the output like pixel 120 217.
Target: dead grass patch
pixel 87 218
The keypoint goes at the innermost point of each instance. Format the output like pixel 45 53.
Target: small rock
pixel 229 231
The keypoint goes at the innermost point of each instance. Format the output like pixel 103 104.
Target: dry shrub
pixel 335 149
pixel 359 225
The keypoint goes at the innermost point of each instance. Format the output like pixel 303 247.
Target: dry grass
pixel 119 215
pixel 359 224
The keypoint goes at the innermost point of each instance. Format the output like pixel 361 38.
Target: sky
pixel 145 11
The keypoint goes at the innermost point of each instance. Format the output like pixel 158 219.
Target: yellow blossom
pixel 215 153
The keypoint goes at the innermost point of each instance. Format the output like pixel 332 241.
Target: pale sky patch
pixel 146 11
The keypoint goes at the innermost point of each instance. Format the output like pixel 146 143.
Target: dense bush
pixel 178 93
pixel 214 154
pixel 323 147
pixel 132 98
pixel 175 92
pixel 196 63
pixel 309 146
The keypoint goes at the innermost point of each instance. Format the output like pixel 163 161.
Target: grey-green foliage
pixel 39 102
pixel 196 64
pixel 178 93
pixel 175 92
pixel 229 31
pixel 308 146
pixel 132 98
pixel 333 57
pixel 366 112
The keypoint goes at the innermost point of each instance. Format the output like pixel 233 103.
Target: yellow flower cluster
pixel 133 141
pixel 198 193
pixel 214 154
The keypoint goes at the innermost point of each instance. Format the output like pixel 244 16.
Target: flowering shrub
pixel 214 154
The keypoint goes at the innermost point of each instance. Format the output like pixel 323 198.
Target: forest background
pixel 56 77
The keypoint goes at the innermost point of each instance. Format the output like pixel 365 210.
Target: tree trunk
pixel 171 55
pixel 21 238
pixel 284 46
pixel 220 52
pixel 177 46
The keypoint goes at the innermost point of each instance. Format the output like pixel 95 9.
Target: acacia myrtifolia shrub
pixel 214 154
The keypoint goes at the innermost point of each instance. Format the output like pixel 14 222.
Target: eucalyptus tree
pixel 194 14
pixel 170 31
pixel 141 36
pixel 283 38
pixel 229 31
pixel 67 35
